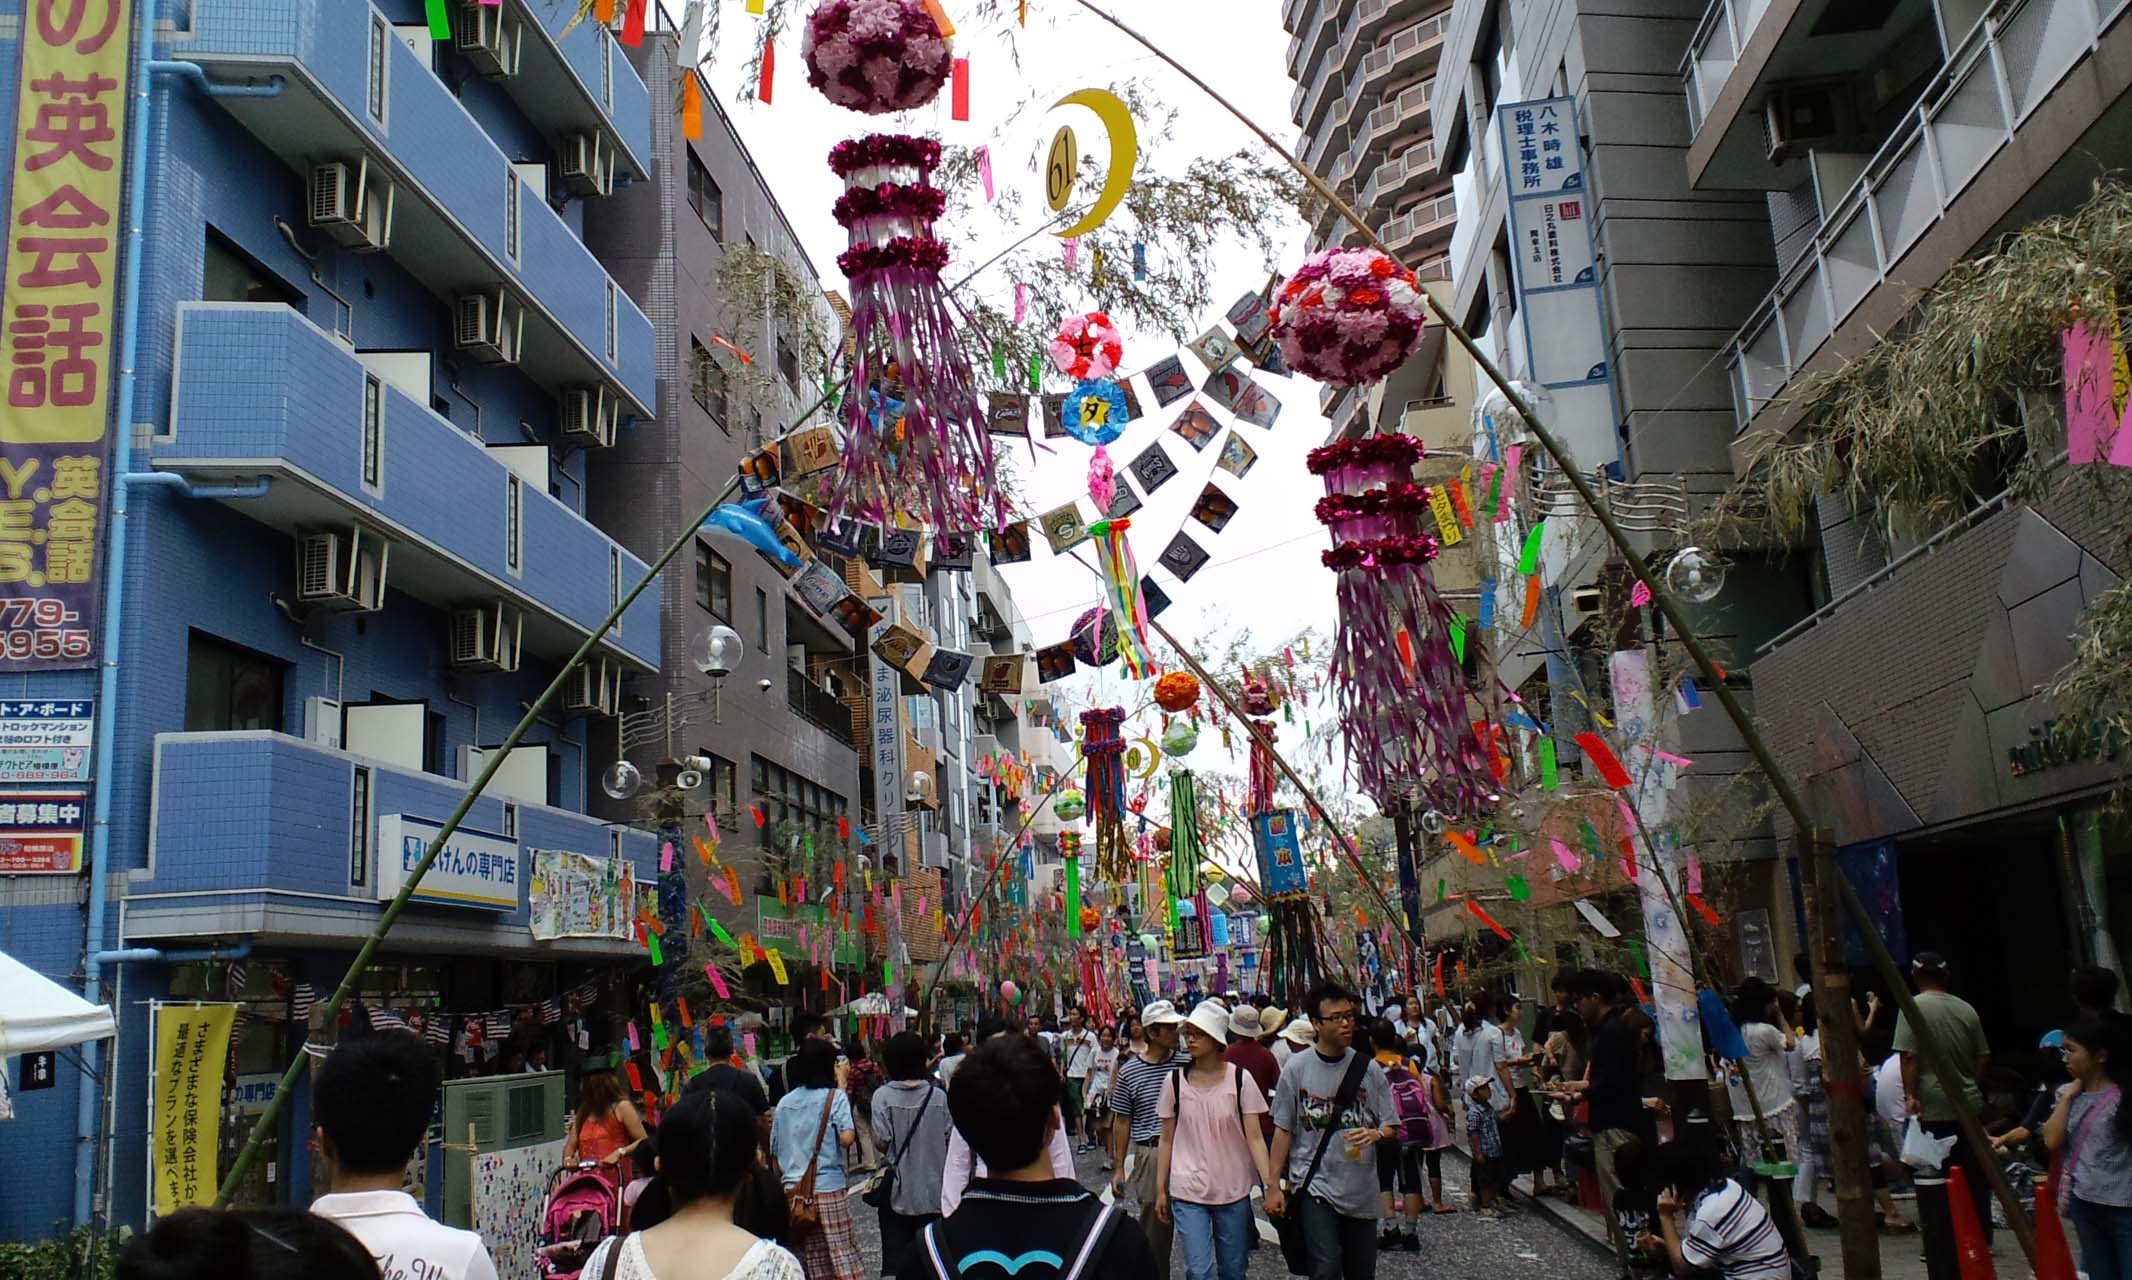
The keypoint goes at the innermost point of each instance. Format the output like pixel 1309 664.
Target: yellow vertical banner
pixel 191 1052
pixel 58 324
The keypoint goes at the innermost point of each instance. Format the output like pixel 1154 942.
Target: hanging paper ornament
pixel 1262 769
pixel 876 56
pixel 1177 691
pixel 1088 347
pixel 1096 413
pixel 1164 836
pixel 1405 725
pixel 1102 480
pixel 1259 698
pixel 931 460
pixel 1094 637
pixel 1121 583
pixel 1349 316
pixel 1105 751
pixel 1070 805
pixel 1180 737
pixel 1239 893
pixel 1090 919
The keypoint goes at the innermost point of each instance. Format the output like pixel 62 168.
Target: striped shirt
pixel 1138 1093
pixel 1730 1233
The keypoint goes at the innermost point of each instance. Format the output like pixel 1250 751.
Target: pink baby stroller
pixel 583 1209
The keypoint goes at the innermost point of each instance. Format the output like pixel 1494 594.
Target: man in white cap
pixel 1136 1122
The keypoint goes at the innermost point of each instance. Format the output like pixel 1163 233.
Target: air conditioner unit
pixel 341 571
pixel 1587 599
pixel 1798 114
pixel 351 202
pixel 488 326
pixel 588 164
pixel 595 688
pixel 485 637
pixel 590 416
pixel 489 39
pixel 322 722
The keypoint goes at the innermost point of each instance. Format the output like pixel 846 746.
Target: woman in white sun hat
pixel 1212 1152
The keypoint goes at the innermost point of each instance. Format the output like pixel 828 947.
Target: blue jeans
pixel 2105 1233
pixel 1216 1238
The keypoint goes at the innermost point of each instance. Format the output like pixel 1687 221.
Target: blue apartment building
pixel 374 353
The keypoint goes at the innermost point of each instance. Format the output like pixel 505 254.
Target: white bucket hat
pixel 1244 1023
pixel 1160 1013
pixel 1212 1017
pixel 1300 1033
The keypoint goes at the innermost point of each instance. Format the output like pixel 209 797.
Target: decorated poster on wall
pixel 575 896
pixel 510 1189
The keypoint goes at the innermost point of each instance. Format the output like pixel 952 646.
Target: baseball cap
pixel 1160 1013
pixel 1478 1082
pixel 1928 962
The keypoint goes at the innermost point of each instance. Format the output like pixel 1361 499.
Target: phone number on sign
pixel 40 628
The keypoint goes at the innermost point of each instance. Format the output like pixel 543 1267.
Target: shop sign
pixel 472 870
pixel 46 741
pixel 42 831
pixel 250 1093
pixel 2050 745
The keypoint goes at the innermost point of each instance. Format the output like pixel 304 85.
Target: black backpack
pixel 1094 1238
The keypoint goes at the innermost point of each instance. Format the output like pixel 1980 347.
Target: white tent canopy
pixel 37 1013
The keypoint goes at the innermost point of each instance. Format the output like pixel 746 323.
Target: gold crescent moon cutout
pixel 1124 154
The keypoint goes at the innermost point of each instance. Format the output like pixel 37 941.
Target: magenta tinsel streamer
pixel 938 468
pixel 1405 730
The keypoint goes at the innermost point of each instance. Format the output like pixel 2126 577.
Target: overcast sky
pixel 1264 572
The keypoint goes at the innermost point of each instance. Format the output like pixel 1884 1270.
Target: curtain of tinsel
pixel 1104 747
pixel 1401 692
pixel 1185 884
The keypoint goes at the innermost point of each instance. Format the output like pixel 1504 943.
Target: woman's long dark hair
pixel 598 1094
pixel 707 1145
pixel 2108 1040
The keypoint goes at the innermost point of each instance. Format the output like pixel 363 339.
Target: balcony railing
pixel 581 80
pixel 262 390
pixel 1714 51
pixel 1415 161
pixel 1392 52
pixel 818 707
pixel 2009 64
pixel 1424 219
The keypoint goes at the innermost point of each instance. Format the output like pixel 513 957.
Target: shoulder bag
pixel 883 1191
pixel 1295 1250
pixel 803 1211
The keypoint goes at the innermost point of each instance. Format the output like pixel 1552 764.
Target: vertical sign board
pixel 185 1103
pixel 885 716
pixel 42 831
pixel 57 325
pixel 46 741
pixel 1557 280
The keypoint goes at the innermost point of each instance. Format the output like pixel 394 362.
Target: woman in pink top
pixel 1211 1153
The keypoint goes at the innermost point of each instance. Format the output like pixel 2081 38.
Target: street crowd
pixel 1335 1118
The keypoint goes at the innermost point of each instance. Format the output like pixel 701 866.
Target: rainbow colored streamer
pixel 1121 586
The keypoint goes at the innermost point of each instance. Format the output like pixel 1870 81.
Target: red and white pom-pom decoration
pixel 1349 316
pixel 1088 347
pixel 876 56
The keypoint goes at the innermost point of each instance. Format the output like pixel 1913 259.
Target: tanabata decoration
pixel 1070 805
pixel 1291 963
pixel 1180 737
pixel 1121 584
pixel 1094 637
pixel 1087 347
pixel 933 460
pixel 747 521
pixel 1096 413
pixel 1104 748
pixel 876 56
pixel 1177 691
pixel 1348 316
pixel 1187 891
pixel 1403 720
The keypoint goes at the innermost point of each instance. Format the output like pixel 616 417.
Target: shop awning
pixel 37 1013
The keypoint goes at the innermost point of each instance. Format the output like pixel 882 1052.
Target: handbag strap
pixel 806 1182
pixel 1350 1088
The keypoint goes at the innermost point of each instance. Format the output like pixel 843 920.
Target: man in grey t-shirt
pixel 1338 1204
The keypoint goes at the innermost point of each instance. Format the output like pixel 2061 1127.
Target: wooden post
pixel 1842 1062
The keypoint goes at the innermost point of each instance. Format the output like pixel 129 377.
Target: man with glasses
pixel 1332 1108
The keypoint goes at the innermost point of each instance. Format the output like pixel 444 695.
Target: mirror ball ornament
pixel 1349 316
pixel 1176 691
pixel 1070 805
pixel 876 56
pixel 1180 738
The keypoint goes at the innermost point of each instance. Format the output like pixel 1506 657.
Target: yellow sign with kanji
pixel 58 324
pixel 191 1054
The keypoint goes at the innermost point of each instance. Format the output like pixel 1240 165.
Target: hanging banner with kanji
pixel 185 1101
pixel 58 326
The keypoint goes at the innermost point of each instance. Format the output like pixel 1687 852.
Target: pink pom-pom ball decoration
pixel 1349 316
pixel 876 56
pixel 1088 347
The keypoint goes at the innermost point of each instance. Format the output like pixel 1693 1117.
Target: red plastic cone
pixel 2054 1258
pixel 1969 1243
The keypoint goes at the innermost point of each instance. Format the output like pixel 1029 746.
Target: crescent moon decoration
pixel 1154 757
pixel 1117 121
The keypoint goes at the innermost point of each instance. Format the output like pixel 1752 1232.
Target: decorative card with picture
pixel 1214 509
pixel 1011 544
pixel 1237 456
pixel 1168 380
pixel 1197 426
pixel 1054 662
pixel 1153 468
pixel 1183 557
pixel 1064 528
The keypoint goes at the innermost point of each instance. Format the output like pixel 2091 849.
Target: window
pixel 606 68
pixel 359 829
pixel 788 365
pixel 614 576
pixel 373 431
pixel 228 688
pixel 613 303
pixel 513 523
pixel 705 197
pixel 232 275
pixel 714 582
pixel 723 784
pixel 787 797
pixel 707 382
pixel 380 46
pixel 510 223
pixel 510 822
pixel 762 621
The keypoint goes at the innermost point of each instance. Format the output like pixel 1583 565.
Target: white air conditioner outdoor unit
pixel 341 571
pixel 1799 114
pixel 352 202
pixel 1587 599
pixel 322 722
pixel 489 38
pixel 488 326
pixel 595 688
pixel 590 416
pixel 485 637
pixel 588 164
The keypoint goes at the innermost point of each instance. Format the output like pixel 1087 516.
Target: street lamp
pixel 717 651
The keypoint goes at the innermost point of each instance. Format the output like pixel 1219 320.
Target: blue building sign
pixel 472 870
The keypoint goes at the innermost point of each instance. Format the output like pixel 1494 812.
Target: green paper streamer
pixel 1519 890
pixel 1643 967
pixel 658 1033
pixel 1523 954
pixel 658 957
pixel 1036 372
pixel 888 973
pixel 718 930
pixel 440 22
pixel 999 364
pixel 1073 897
pixel 1550 775
pixel 1591 840
pixel 1458 637
pixel 1529 562
pixel 1495 492
pixel 1440 889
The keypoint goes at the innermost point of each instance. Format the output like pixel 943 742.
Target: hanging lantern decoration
pixel 1400 691
pixel 1180 737
pixel 1349 316
pixel 915 439
pixel 1177 691
pixel 1263 774
pixel 1104 748
pixel 1070 805
pixel 1094 637
pixel 876 56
